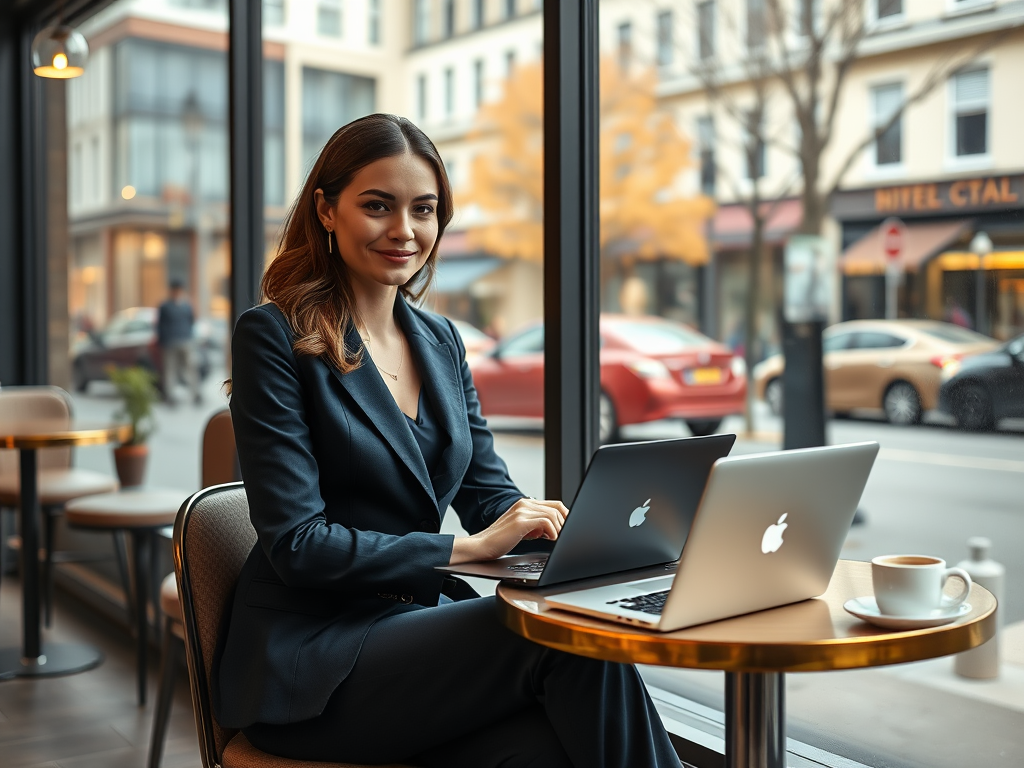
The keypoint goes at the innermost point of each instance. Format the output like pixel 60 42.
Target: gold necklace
pixel 401 360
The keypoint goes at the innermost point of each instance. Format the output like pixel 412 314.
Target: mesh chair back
pixel 220 459
pixel 212 538
pixel 19 405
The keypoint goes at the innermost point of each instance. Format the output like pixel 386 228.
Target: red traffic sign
pixel 894 233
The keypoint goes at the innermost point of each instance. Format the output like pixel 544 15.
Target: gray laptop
pixel 768 531
pixel 633 510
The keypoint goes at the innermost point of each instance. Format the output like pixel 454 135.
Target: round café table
pixel 36 658
pixel 755 650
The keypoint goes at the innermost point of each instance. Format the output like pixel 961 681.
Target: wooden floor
pixel 88 720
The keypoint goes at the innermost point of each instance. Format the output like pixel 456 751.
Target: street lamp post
pixel 981 246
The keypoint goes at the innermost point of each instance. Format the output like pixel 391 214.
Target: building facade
pixel 148 177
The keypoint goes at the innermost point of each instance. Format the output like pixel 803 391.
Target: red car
pixel 651 369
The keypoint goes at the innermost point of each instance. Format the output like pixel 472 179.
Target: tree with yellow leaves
pixel 642 154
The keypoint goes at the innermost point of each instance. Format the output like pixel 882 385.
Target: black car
pixel 981 389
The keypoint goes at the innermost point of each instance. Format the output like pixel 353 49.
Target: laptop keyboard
pixel 650 603
pixel 535 567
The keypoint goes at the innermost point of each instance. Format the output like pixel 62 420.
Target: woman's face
pixel 385 220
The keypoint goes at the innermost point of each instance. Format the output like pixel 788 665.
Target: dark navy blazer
pixel 346 512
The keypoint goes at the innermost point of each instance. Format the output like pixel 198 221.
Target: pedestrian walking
pixel 174 330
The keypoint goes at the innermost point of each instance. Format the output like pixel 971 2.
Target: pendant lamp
pixel 59 52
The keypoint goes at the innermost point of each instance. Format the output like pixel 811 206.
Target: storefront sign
pixel 971 195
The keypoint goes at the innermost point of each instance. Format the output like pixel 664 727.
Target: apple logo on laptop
pixel 638 515
pixel 772 538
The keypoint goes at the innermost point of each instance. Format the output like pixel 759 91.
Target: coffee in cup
pixel 911 585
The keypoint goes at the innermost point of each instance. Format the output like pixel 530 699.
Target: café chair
pixel 219 465
pixel 59 482
pixel 212 538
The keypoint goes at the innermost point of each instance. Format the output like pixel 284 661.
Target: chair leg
pixel 172 648
pixel 141 550
pixel 120 552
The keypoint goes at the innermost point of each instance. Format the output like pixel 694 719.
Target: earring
pixel 329 241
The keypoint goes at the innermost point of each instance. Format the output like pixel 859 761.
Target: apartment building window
pixel 449 18
pixel 757 18
pixel 970 112
pixel 330 99
pixel 420 22
pixel 706 29
pixel 510 8
pixel 328 18
pixel 625 34
pixel 478 83
pixel 753 139
pixel 665 43
pixel 478 14
pixel 885 9
pixel 510 62
pixel 373 22
pixel 808 14
pixel 886 101
pixel 273 13
pixel 706 143
pixel 449 91
pixel 421 97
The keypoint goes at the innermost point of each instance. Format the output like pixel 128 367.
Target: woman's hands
pixel 526 519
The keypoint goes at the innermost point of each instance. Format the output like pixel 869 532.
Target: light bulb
pixel 128 192
pixel 60 61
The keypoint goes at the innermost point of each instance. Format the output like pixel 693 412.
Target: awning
pixel 733 226
pixel 921 242
pixel 456 275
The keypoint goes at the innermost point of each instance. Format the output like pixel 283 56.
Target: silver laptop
pixel 768 531
pixel 633 510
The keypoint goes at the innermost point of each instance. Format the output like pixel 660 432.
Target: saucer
pixel 866 609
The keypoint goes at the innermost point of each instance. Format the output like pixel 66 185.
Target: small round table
pixel 141 511
pixel 755 651
pixel 36 658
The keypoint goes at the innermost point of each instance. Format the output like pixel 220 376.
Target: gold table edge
pixel 626 645
pixel 68 437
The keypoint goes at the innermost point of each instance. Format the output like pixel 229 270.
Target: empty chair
pixel 212 538
pixel 59 482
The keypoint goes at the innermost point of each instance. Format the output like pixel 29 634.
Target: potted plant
pixel 137 388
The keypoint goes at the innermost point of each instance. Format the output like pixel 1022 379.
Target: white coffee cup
pixel 911 585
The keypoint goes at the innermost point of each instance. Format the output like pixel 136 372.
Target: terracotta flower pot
pixel 130 461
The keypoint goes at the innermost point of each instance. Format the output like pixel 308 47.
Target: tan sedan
pixel 895 365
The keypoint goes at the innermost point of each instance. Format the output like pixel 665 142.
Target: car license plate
pixel 702 376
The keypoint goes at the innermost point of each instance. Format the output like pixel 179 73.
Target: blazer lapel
pixel 442 383
pixel 371 394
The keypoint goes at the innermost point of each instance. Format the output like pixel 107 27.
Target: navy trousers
pixel 450 686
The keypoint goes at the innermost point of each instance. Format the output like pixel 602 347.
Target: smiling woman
pixel 341 625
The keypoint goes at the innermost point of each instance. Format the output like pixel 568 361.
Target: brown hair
pixel 311 286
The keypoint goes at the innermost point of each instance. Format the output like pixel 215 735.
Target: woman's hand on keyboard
pixel 524 520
